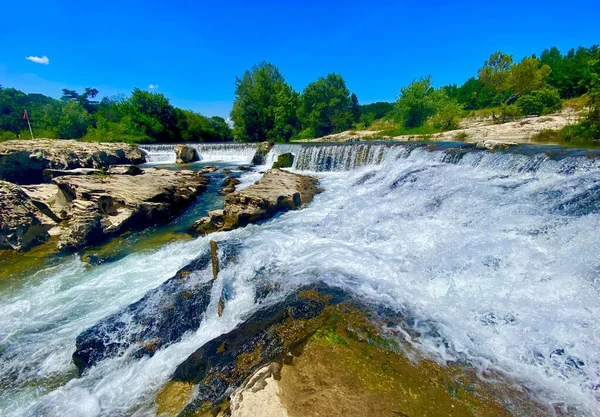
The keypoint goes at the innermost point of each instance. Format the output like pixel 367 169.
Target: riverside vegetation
pixel 266 108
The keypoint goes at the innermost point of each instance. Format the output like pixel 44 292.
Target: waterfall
pixel 491 257
pixel 240 153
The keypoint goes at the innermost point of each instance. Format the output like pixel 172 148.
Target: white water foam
pixel 240 153
pixel 493 258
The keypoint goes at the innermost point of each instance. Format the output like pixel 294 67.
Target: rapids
pixel 240 153
pixel 492 256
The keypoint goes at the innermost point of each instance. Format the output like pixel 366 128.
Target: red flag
pixel 25 117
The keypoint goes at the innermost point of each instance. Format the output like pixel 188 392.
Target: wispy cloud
pixel 38 59
pixel 153 86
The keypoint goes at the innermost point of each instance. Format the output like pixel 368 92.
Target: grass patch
pixel 576 103
pixel 571 135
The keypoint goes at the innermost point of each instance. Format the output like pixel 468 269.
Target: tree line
pixel 142 117
pixel 267 108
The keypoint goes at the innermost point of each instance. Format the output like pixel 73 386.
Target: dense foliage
pixel 266 108
pixel 141 117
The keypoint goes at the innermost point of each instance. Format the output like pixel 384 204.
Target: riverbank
pixel 472 130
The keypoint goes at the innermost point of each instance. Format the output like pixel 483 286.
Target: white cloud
pixel 38 59
pixel 153 86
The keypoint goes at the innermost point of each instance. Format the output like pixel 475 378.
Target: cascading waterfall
pixel 241 153
pixel 494 256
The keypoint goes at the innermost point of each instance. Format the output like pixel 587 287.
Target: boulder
pixel 159 318
pixel 275 192
pixel 229 185
pixel 24 161
pixel 103 206
pixel 208 169
pixel 185 154
pixel 494 145
pixel 285 160
pixel 20 225
pixel 262 149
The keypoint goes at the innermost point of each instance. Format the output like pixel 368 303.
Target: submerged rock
pixel 275 192
pixel 24 161
pixel 20 224
pixel 184 154
pixel 158 319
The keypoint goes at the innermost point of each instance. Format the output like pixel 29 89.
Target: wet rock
pixel 285 160
pixel 20 225
pixel 229 359
pixel 160 318
pixel 226 171
pixel 24 161
pixel 494 145
pixel 244 168
pixel 208 169
pixel 229 185
pixel 275 192
pixel 103 206
pixel 185 154
pixel 262 149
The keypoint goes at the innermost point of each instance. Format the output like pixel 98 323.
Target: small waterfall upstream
pixel 240 153
pixel 493 256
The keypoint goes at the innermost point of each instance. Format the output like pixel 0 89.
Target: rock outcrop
pixel 20 225
pixel 102 206
pixel 285 160
pixel 275 192
pixel 24 161
pixel 322 351
pixel 86 209
pixel 262 149
pixel 184 154
pixel 229 184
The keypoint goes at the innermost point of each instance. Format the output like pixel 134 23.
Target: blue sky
pixel 193 50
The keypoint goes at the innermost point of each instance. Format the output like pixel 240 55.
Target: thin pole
pixel 26 117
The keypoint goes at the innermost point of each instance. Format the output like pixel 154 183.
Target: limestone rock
pixel 276 191
pixel 54 173
pixel 125 170
pixel 229 185
pixel 23 161
pixel 99 207
pixel 494 145
pixel 20 226
pixel 185 154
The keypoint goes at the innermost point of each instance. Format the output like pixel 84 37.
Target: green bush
pixel 544 101
pixel 285 160
pixel 509 113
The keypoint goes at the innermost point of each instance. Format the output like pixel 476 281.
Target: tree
pixel 543 101
pixel 325 106
pixel 153 115
pixel 503 76
pixel 354 108
pixel 371 112
pixel 74 122
pixel 415 104
pixel 264 106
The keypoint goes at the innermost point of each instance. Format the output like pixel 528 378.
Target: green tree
pixel 415 104
pixel 74 122
pixel 153 115
pixel 501 74
pixel 354 108
pixel 543 101
pixel 264 105
pixel 325 106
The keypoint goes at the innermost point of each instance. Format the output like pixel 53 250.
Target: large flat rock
pixel 275 192
pixel 24 161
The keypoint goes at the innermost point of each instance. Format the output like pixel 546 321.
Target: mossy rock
pixel 285 160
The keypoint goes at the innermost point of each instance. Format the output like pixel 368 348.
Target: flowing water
pixel 240 153
pixel 492 256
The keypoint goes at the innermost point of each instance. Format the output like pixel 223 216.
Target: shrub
pixel 544 101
